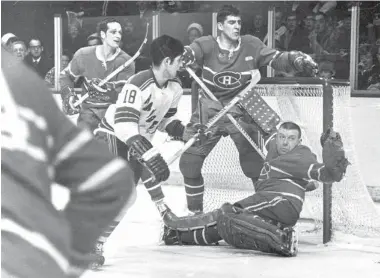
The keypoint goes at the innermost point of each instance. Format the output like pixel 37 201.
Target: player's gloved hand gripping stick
pixel 119 69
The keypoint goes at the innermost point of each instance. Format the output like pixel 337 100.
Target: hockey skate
pixel 98 258
pixel 291 242
pixel 169 236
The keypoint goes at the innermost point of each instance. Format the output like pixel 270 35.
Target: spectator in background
pixel 94 39
pixel 36 58
pixel 294 38
pixel 374 78
pixel 326 69
pixel 321 39
pixel 194 31
pixel 309 22
pixel 259 30
pixel 7 40
pixel 366 68
pixel 19 50
pixel 50 75
pixel 74 38
pixel 280 28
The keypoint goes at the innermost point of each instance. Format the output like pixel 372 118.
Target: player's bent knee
pixel 190 166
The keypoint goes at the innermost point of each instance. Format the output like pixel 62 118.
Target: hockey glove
pixel 105 93
pixel 68 99
pixel 142 150
pixel 333 154
pixel 177 131
pixel 196 128
pixel 188 56
pixel 303 63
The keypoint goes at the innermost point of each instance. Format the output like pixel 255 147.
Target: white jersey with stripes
pixel 142 107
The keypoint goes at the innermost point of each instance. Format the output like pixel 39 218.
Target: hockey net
pixel 353 211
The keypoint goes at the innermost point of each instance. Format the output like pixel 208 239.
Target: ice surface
pixel 133 250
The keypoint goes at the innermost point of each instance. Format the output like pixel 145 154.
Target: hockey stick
pixel 254 80
pixel 209 124
pixel 119 69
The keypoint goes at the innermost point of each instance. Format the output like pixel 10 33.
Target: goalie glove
pixel 105 93
pixel 302 62
pixel 68 99
pixel 143 150
pixel 333 154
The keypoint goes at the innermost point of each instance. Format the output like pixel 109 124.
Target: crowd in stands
pixel 320 28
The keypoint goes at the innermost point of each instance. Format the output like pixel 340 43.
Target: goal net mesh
pixel 353 211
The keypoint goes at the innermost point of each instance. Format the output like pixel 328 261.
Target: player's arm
pixel 66 79
pixel 302 163
pixel 194 53
pixel 170 124
pixel 293 61
pixel 127 117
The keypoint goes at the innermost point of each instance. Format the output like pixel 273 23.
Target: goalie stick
pixel 255 79
pixel 211 122
pixel 119 69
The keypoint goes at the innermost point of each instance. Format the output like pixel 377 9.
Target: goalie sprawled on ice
pixel 264 221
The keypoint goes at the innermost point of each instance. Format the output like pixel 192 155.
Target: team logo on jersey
pixel 264 174
pixel 227 80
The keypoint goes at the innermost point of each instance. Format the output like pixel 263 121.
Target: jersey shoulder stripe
pixel 142 79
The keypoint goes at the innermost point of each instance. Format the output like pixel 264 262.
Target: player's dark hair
pixel 291 126
pixel 103 25
pixel 165 46
pixel 225 11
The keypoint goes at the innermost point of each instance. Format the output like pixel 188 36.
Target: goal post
pixel 315 105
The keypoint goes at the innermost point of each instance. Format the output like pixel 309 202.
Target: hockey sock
pixel 194 196
pixel 155 191
pixel 108 231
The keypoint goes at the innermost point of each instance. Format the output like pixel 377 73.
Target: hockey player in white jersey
pixel 148 102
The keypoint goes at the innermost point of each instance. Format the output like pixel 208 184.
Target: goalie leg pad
pixel 245 230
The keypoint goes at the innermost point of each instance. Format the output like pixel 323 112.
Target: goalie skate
pixel 291 242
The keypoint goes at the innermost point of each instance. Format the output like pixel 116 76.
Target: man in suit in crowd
pixel 36 60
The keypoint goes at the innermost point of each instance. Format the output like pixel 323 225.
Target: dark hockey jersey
pixel 227 72
pixel 40 147
pixel 288 174
pixel 87 63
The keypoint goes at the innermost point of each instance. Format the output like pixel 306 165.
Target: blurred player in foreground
pixel 264 221
pixel 229 63
pixel 147 103
pixel 95 63
pixel 40 147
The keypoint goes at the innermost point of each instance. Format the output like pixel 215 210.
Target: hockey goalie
pixel 265 220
